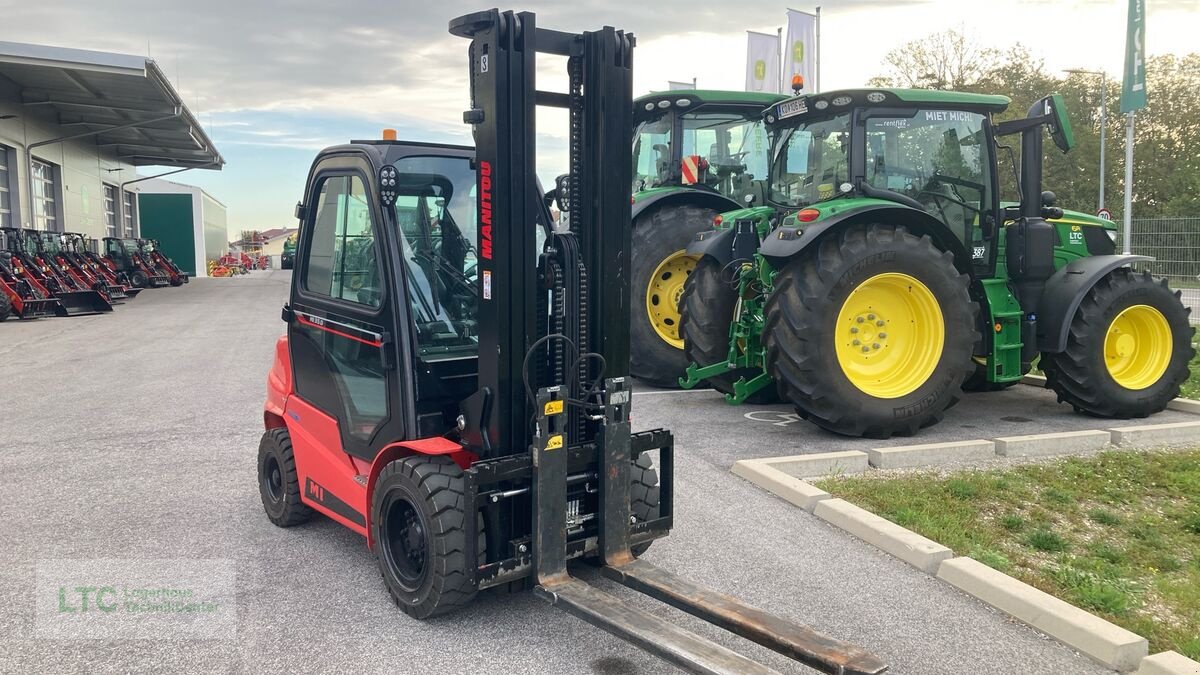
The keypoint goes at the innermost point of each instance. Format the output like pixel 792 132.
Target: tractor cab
pixel 708 140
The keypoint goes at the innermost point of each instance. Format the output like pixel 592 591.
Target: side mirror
pixel 562 192
pixel 1058 124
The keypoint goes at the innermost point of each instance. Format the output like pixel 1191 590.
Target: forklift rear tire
pixel 707 309
pixel 660 268
pixel 277 482
pixel 870 332
pixel 643 495
pixel 417 524
pixel 138 279
pixel 1128 348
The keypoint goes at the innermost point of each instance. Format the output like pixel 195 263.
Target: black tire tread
pixel 295 511
pixel 442 486
pixel 1073 374
pixel 800 303
pixel 656 233
pixel 643 495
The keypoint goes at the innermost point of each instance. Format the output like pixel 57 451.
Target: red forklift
pixel 18 296
pixel 82 250
pixel 124 257
pixel 153 253
pixel 56 254
pixel 45 275
pixel 454 380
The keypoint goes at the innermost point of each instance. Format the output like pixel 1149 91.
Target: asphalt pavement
pixel 134 436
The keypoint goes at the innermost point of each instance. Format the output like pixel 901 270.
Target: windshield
pixel 435 209
pixel 50 242
pixel 811 160
pixel 723 150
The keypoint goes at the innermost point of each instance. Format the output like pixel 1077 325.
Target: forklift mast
pixel 553 388
pixel 593 317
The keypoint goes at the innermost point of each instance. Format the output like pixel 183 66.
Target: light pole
pixel 1103 118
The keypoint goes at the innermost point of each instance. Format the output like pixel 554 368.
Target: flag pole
pixel 1128 219
pixel 817 61
pixel 779 44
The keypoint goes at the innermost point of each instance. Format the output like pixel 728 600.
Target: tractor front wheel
pixel 138 279
pixel 420 533
pixel 5 305
pixel 1128 348
pixel 871 333
pixel 660 268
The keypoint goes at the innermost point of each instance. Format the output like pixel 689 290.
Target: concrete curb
pixel 821 464
pixel 908 456
pixel 790 489
pixel 1108 643
pixel 1062 443
pixel 1186 405
pixel 1168 663
pixel 905 544
pixel 1155 435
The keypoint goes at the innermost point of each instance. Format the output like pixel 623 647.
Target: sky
pixel 275 82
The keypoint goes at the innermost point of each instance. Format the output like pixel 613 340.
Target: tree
pixel 947 60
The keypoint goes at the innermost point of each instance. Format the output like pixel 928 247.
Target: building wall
pixel 168 219
pixel 83 168
pixel 214 233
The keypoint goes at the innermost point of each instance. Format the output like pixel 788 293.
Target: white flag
pixel 800 50
pixel 673 85
pixel 762 62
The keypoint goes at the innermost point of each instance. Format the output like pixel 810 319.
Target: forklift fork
pixel 654 634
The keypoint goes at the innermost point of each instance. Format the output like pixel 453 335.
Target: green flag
pixel 1133 86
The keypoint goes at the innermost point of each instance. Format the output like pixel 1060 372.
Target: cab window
pixel 341 259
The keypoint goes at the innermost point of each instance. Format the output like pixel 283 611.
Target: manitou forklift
pixel 453 385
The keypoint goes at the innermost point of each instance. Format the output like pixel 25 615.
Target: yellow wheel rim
pixel 663 293
pixel 889 335
pixel 1137 347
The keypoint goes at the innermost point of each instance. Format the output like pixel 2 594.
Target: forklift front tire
pixel 418 527
pixel 277 482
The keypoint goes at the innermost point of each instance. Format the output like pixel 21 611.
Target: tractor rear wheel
pixel 420 534
pixel 660 268
pixel 706 311
pixel 1128 348
pixel 277 482
pixel 871 333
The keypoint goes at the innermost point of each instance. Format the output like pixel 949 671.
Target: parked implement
pixel 126 258
pixel 43 274
pixel 152 253
pixel 696 154
pixel 18 295
pixel 462 400
pixel 84 251
pixel 884 273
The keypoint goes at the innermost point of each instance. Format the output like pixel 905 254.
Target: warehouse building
pixel 75 126
pixel 186 221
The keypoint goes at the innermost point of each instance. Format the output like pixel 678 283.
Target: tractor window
pixel 341 258
pixel 939 158
pixel 652 153
pixel 811 160
pixel 732 151
pixel 436 213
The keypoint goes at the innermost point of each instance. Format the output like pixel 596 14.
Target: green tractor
pixel 882 274
pixel 696 154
